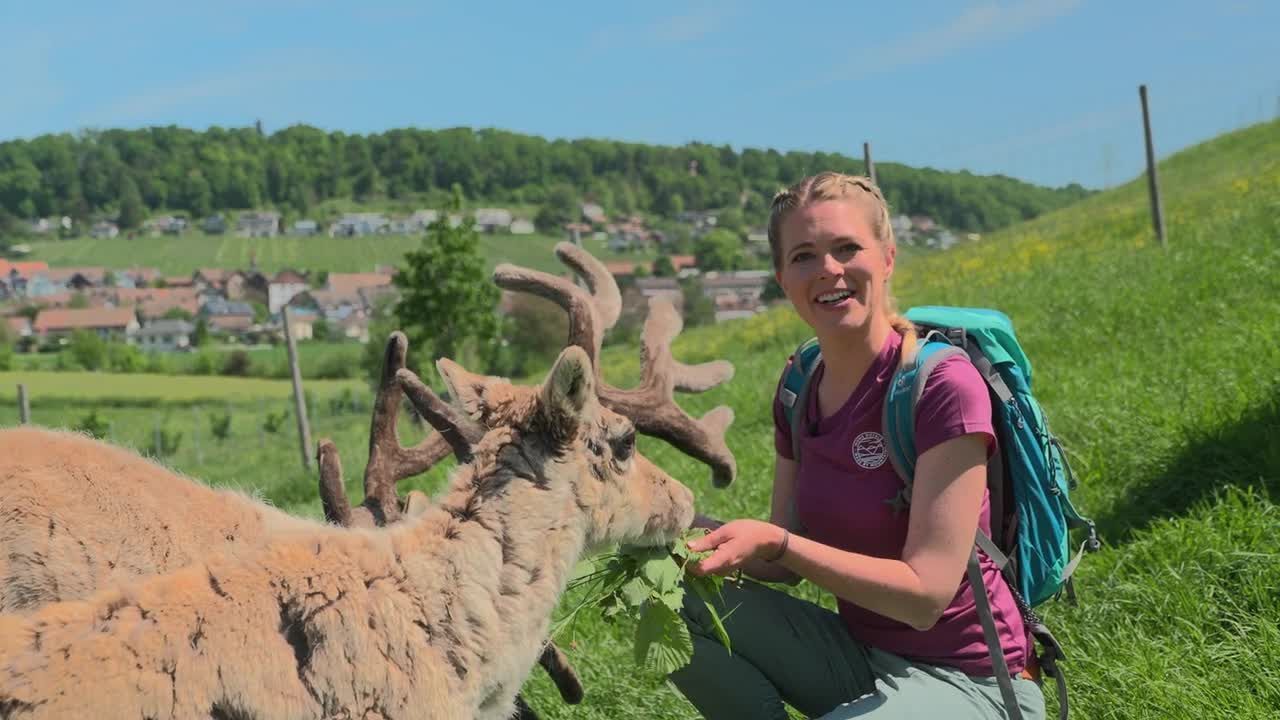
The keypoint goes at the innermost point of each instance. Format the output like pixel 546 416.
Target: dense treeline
pixel 126 174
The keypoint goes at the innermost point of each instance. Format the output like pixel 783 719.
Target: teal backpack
pixel 1029 480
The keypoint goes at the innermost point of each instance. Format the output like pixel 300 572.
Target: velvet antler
pixel 651 405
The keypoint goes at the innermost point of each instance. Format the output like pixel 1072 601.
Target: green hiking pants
pixel 789 650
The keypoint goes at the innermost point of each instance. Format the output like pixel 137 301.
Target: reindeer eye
pixel 625 446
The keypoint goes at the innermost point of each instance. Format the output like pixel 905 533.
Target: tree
pixel 88 349
pixel 560 207
pixel 663 267
pixel 200 336
pixel 698 308
pixel 447 302
pixel 131 209
pixel 719 250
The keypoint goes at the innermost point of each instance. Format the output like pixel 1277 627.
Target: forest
pixel 126 175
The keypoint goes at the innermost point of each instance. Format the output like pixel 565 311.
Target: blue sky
pixel 1045 90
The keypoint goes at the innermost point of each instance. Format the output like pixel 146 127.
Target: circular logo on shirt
pixel 869 451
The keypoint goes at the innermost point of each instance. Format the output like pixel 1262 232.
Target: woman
pixel 907 641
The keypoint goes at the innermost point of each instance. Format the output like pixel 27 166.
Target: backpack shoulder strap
pixel 899 413
pixel 794 392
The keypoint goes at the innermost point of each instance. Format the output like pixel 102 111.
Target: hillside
pixel 127 175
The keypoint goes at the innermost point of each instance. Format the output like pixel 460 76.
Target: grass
pixel 182 255
pixel 1159 369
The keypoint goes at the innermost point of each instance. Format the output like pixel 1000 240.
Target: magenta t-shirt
pixel 843 493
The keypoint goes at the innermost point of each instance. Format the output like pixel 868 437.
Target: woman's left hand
pixel 735 543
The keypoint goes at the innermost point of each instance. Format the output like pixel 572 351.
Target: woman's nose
pixel 831 265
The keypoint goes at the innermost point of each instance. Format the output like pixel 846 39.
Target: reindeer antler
pixel 651 405
pixel 389 462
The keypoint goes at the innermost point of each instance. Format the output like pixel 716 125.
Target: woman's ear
pixel 890 258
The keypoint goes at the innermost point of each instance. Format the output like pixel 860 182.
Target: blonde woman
pixel 907 640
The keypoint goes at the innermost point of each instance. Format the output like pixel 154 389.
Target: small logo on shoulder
pixel 869 451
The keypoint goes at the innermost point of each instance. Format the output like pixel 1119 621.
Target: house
pixel 283 287
pixel 492 219
pixel 227 316
pixel 18 326
pixel 178 281
pixel 651 287
pixel 215 224
pixel 15 277
pixel 736 294
pixel 165 335
pixel 305 228
pixel 265 223
pixel 349 284
pixel 78 278
pixel 577 231
pixel 104 229
pixel 165 224
pixel 251 286
pixel 922 223
pixel 356 224
pixel 593 213
pixel 153 302
pixel 108 323
pixel 215 278
pixel 521 227
pixel 301 323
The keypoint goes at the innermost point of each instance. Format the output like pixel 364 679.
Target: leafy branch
pixel 648 586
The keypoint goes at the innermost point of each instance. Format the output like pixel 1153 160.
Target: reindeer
pixel 455 602
pixel 61 523
pixel 309 574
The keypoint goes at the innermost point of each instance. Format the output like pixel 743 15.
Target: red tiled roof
pixel 86 318
pixel 348 283
pixel 25 269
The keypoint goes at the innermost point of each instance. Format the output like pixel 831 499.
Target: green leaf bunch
pixel 647 586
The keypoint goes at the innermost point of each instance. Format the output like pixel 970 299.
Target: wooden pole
pixel 24 407
pixel 1153 181
pixel 871 166
pixel 299 400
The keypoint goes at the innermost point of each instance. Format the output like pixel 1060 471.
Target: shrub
pixel 125 358
pixel 220 424
pixel 92 425
pixel 236 363
pixel 272 421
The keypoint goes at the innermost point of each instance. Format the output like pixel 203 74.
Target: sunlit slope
pixel 1159 368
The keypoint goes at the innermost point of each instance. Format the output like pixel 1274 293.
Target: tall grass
pixel 1160 369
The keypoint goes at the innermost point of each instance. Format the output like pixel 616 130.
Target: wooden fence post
pixel 24 407
pixel 1153 181
pixel 871 166
pixel 299 400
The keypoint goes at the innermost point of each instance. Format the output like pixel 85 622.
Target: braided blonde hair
pixel 838 186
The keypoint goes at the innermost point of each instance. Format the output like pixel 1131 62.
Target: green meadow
pixel 1159 369
pixel 181 255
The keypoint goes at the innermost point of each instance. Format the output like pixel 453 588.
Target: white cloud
pixel 977 25
pixel 698 23
pixel 251 82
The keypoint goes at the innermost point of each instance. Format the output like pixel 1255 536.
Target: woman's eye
pixel 801 257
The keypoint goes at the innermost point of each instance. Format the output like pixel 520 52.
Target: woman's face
pixel 833 269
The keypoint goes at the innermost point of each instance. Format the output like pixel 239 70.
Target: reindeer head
pixel 559 436
pixel 624 497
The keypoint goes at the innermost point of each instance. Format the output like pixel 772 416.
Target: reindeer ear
pixel 569 386
pixel 467 389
